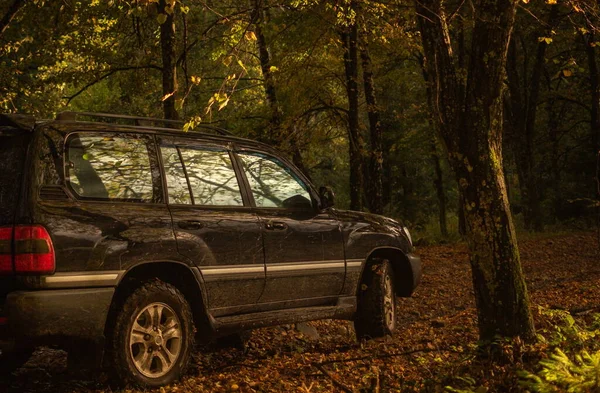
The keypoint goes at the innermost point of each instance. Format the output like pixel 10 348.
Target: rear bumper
pixel 49 316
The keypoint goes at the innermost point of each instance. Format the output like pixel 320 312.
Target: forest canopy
pixel 340 86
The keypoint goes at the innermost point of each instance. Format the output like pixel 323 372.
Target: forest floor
pixel 434 347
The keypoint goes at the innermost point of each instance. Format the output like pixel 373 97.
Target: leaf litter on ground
pixel 434 346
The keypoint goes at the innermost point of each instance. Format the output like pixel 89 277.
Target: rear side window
pixel 109 167
pixel 207 173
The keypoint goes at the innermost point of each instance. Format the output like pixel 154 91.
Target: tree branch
pixel 10 14
pixel 109 73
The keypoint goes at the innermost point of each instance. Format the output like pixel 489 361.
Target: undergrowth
pixel 565 358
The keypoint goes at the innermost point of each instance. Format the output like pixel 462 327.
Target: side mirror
pixel 327 197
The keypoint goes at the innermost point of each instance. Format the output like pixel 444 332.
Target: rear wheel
pixel 153 336
pixel 376 312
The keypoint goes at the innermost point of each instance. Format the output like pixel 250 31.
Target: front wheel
pixel 376 312
pixel 153 336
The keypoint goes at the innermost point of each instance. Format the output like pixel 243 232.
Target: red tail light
pixel 33 250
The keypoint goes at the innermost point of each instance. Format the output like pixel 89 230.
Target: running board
pixel 236 323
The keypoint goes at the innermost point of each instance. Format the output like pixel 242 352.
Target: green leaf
pixel 161 18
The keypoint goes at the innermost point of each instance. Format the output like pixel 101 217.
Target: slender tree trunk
pixel 438 182
pixel 12 11
pixel 471 127
pixel 355 140
pixel 553 135
pixel 595 89
pixel 275 135
pixel 265 67
pixel 375 174
pixel 524 99
pixel 169 61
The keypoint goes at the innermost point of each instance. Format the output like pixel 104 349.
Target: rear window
pixel 13 150
pixel 109 167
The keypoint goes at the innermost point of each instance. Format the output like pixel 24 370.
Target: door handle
pixel 275 226
pixel 190 224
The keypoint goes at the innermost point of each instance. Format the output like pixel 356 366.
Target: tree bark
pixel 264 56
pixel 169 61
pixel 374 179
pixel 471 128
pixel 355 141
pixel 595 91
pixel 275 132
pixel 438 183
pixel 10 14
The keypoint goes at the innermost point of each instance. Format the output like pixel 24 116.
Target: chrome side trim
pixel 354 264
pixel 211 271
pixel 284 267
pixel 81 279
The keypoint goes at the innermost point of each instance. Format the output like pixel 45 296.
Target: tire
pixel 141 352
pixel 376 308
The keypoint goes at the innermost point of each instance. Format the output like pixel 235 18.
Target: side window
pixel 208 173
pixel 109 167
pixel 273 184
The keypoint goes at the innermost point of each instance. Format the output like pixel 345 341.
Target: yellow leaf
pixel 227 60
pixel 567 73
pixel 224 104
pixel 250 36
pixel 162 18
pixel 550 1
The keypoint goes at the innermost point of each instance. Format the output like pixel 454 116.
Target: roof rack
pixel 138 120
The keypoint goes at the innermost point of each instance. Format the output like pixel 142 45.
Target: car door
pixel 214 223
pixel 303 246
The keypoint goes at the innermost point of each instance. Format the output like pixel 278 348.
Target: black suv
pixel 130 242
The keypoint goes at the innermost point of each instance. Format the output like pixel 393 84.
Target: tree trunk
pixel 264 56
pixel 375 173
pixel 355 140
pixel 438 182
pixel 12 11
pixel 522 116
pixel 275 133
pixel 595 89
pixel 471 128
pixel 554 138
pixel 169 62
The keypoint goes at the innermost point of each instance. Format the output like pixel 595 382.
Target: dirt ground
pixel 432 348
